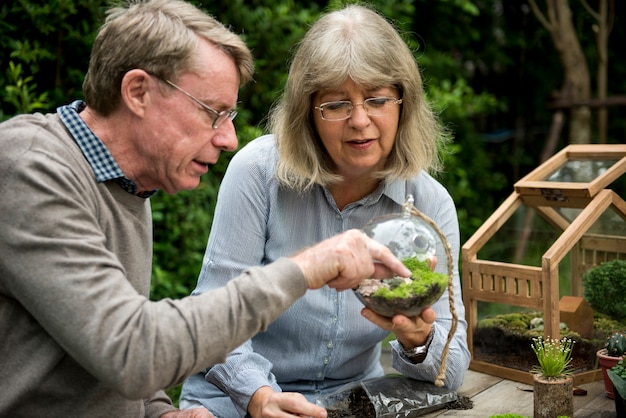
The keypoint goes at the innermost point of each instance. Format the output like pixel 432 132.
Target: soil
pixel 360 406
pixel 583 359
pixel 513 347
pixel 463 402
pixel 409 306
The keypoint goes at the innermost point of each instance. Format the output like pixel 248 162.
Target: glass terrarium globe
pixel 413 241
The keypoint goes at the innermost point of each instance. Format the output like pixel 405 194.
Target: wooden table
pixel 493 395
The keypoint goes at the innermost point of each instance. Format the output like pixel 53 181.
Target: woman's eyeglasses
pixel 342 109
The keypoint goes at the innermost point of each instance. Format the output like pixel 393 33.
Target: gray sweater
pixel 79 336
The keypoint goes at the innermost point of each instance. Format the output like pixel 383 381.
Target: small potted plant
pixel 604 288
pixel 553 383
pixel 617 375
pixel 609 356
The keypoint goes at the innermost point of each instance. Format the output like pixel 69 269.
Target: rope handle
pixel 455 318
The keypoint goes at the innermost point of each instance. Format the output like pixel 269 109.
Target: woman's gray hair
pixel 357 43
pixel 158 36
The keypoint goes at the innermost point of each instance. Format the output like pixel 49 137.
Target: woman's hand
pixel 410 331
pixel 265 403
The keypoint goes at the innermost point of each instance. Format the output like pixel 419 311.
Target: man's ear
pixel 136 89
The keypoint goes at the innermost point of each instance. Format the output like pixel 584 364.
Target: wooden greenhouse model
pixel 571 193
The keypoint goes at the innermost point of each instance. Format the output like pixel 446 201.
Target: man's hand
pixel 189 413
pixel 265 403
pixel 344 260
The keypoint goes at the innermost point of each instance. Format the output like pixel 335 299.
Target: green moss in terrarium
pixel 492 322
pixel 423 279
pixel 521 324
pixel 606 324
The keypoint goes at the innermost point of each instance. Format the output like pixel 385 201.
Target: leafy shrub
pixel 20 91
pixel 605 287
pixel 181 224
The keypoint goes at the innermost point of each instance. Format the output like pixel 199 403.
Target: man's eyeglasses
pixel 218 117
pixel 342 109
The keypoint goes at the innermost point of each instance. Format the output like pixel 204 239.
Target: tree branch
pixel 540 16
pixel 609 25
pixel 592 12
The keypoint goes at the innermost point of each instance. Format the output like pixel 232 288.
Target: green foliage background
pixel 489 69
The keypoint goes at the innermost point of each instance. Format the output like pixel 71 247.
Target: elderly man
pixel 79 335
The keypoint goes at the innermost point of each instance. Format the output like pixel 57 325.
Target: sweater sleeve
pixel 157 405
pixel 76 266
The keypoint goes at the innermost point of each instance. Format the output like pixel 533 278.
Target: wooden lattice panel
pixel 591 251
pixel 509 284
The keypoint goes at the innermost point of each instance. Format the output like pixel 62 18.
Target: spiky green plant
pixel 554 356
pixel 616 345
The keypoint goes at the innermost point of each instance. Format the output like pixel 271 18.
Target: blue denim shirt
pixel 322 342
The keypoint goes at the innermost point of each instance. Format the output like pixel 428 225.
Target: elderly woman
pixel 351 138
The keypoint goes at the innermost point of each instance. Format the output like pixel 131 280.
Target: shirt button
pixel 330 344
pixel 326 360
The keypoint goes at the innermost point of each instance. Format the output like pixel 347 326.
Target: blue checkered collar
pixel 99 157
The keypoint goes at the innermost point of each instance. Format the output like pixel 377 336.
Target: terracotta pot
pixel 606 362
pixel 553 398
